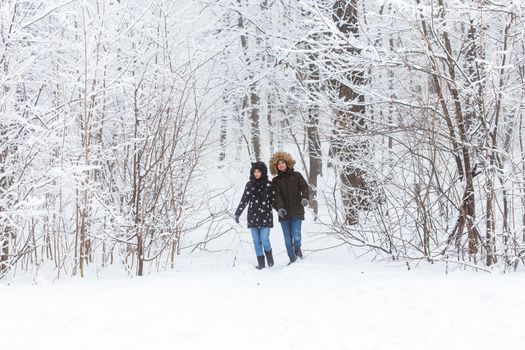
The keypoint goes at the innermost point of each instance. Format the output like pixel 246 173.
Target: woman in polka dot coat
pixel 259 195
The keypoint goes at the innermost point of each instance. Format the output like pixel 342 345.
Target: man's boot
pixel 292 259
pixel 298 252
pixel 260 261
pixel 269 257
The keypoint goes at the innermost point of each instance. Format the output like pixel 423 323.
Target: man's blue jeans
pixel 292 235
pixel 261 240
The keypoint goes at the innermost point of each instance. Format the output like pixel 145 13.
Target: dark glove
pixel 282 213
pixel 304 202
pixel 237 218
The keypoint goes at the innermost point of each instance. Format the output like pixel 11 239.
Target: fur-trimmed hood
pixel 280 155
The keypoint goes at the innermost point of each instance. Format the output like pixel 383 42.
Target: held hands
pixel 304 202
pixel 282 213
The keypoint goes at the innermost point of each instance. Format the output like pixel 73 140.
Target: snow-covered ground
pixel 327 301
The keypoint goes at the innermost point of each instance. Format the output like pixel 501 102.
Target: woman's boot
pixel 260 261
pixel 269 257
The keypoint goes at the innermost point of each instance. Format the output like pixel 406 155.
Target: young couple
pixel 287 193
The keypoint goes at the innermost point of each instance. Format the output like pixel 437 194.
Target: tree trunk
pixel 350 120
pixel 5 184
pixel 254 122
pixel 4 255
pixel 314 142
pixel 468 203
pixel 222 139
pixel 253 93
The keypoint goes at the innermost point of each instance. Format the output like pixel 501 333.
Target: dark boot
pixel 292 259
pixel 298 252
pixel 269 257
pixel 260 260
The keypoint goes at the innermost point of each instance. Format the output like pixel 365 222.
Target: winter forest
pixel 127 127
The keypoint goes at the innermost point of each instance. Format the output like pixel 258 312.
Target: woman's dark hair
pixel 259 166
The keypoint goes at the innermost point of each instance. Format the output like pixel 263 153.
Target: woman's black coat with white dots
pixel 259 195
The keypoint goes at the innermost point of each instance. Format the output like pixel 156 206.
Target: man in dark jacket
pixel 291 196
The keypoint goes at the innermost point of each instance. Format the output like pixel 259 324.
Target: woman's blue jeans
pixel 292 235
pixel 261 240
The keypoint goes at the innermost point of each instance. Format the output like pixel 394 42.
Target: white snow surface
pixel 329 300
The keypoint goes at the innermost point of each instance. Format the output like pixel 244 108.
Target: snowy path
pixel 315 304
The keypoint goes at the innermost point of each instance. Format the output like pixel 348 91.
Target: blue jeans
pixel 292 235
pixel 261 239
